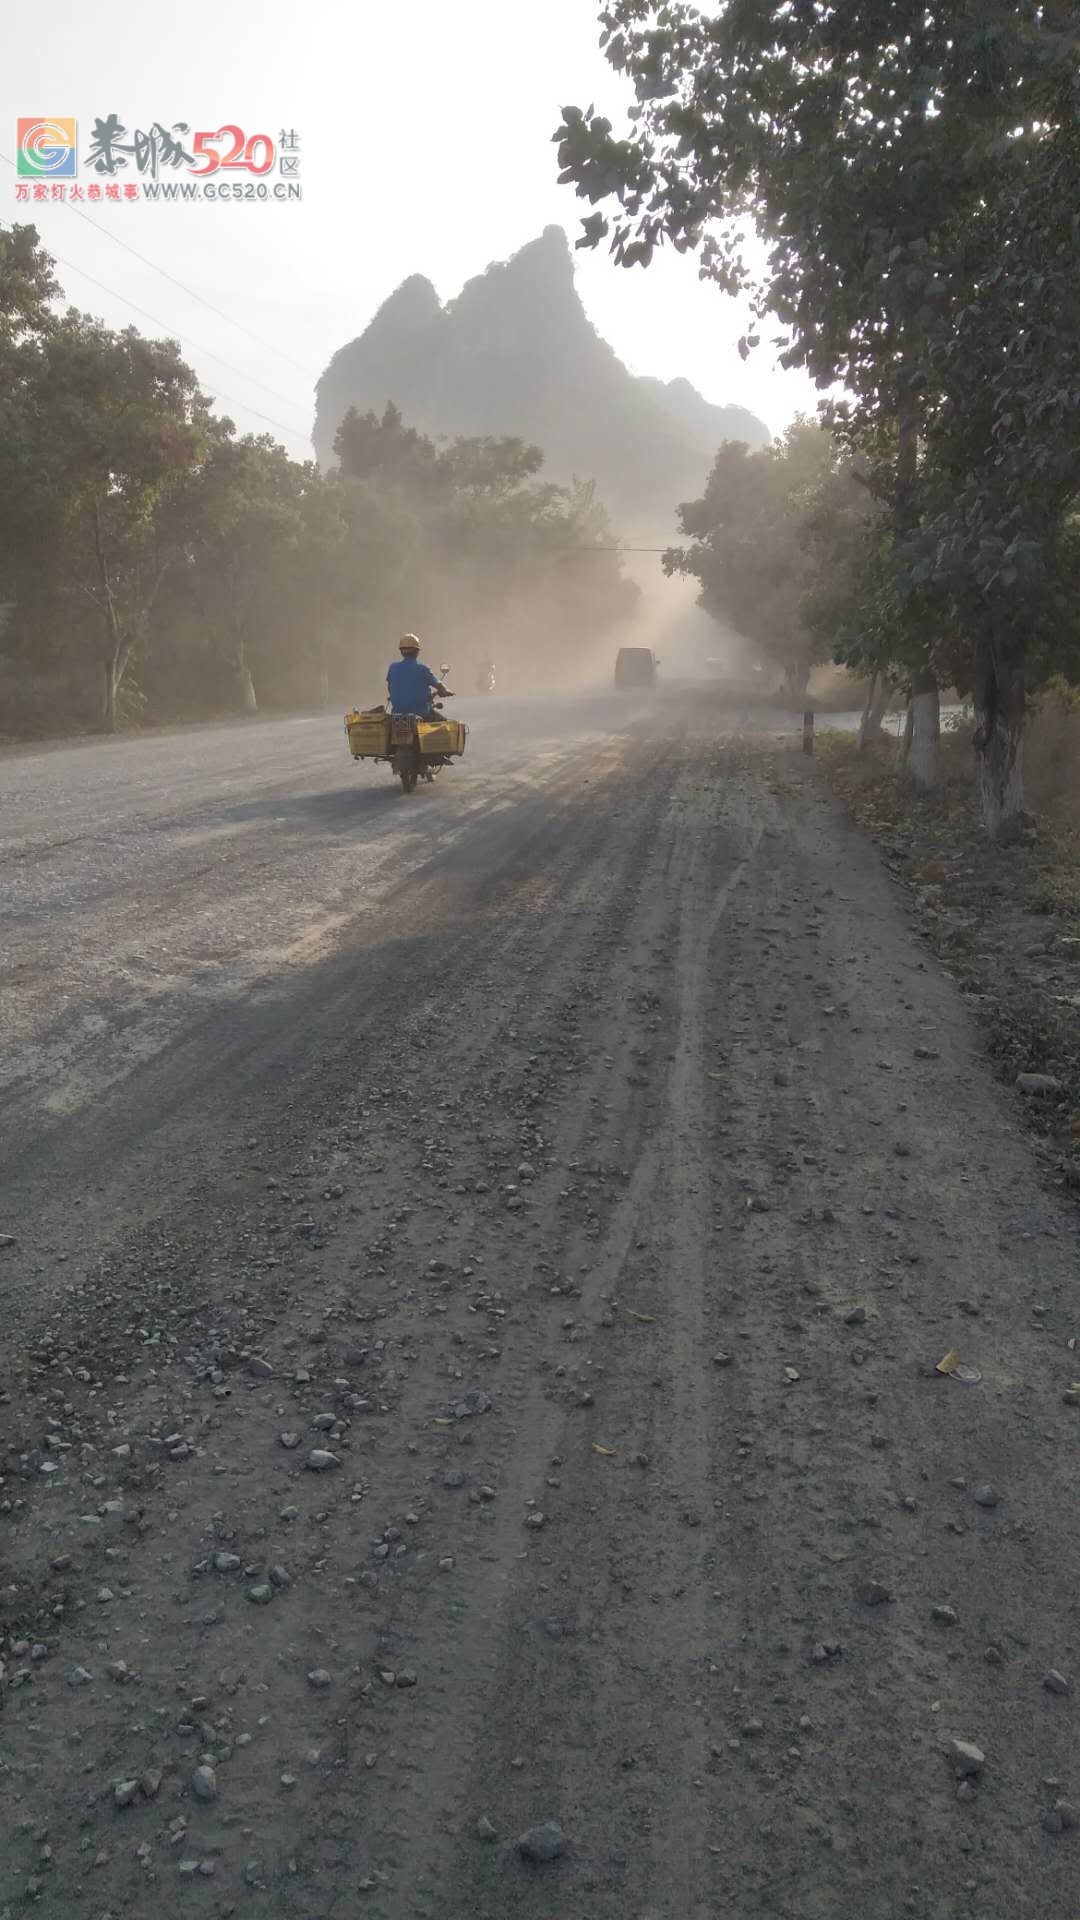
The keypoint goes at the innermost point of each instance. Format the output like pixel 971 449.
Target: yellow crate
pixel 369 734
pixel 441 736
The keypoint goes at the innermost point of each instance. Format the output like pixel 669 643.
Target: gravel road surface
pixel 473 1270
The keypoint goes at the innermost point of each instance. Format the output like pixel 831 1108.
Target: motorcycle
pixel 485 678
pixel 414 747
pixel 414 754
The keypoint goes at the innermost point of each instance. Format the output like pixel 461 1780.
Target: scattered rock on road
pixel 874 1593
pixel 542 1843
pixel 967 1759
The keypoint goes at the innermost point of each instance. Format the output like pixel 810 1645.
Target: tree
pixel 753 550
pixel 118 423
pixel 243 526
pixel 154 556
pixel 27 286
pixel 388 452
pixel 862 142
pixel 488 465
pixel 1001 476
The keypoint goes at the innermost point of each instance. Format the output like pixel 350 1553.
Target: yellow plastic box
pixel 369 734
pixel 441 736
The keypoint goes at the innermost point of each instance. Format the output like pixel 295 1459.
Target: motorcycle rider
pixel 485 676
pixel 409 683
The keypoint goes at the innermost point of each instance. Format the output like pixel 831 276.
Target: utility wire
pixel 190 291
pixel 193 346
pixel 184 288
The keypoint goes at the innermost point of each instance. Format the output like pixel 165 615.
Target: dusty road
pixel 476 1270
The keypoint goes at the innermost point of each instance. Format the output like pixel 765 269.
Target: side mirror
pixel 444 668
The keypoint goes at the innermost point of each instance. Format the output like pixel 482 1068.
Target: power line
pixel 184 288
pixel 301 432
pixel 192 346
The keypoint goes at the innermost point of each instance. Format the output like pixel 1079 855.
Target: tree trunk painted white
pixel 247 689
pixel 923 766
pixel 905 743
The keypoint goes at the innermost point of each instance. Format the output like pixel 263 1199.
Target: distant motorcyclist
pixel 409 683
pixel 485 677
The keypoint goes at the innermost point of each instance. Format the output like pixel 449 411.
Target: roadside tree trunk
pixel 113 674
pixel 905 743
pixel 126 615
pixel 868 707
pixel 116 658
pixel 923 763
pixel 109 687
pixel 237 658
pixel 247 688
pixel 877 699
pixel 797 679
pixel 999 748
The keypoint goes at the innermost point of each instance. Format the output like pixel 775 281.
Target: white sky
pixel 425 147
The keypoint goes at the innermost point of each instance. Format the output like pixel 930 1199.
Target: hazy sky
pixel 424 147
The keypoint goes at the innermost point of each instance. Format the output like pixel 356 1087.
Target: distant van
pixel 634 667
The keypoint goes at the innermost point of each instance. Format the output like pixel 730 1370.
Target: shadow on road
pixel 338 810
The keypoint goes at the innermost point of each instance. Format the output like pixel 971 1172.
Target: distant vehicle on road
pixel 635 667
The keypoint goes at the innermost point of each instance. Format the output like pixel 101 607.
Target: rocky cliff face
pixel 515 353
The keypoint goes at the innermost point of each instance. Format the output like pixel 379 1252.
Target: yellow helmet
pixel 409 643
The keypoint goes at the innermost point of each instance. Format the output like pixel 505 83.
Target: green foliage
pixel 111 424
pixel 159 564
pixel 998 546
pixel 914 166
pixel 766 534
pixel 27 286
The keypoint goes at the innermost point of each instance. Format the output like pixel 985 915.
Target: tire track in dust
pixel 689 1182
pixel 471 1616
pixel 621 1691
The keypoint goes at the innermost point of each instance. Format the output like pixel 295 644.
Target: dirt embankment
pixel 1005 922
